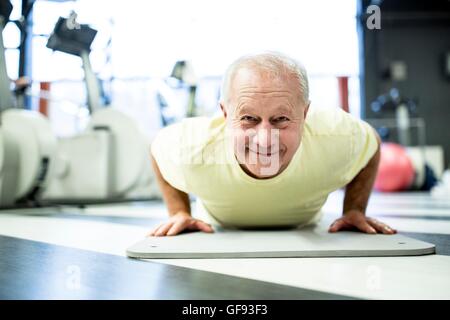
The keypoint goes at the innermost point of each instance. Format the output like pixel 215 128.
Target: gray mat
pixel 306 242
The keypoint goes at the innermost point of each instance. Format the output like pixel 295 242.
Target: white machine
pixel 27 144
pixel 105 162
pixel 110 159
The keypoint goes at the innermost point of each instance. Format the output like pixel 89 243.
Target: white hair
pixel 275 63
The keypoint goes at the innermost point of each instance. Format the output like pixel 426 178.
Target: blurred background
pixel 156 62
pixel 138 43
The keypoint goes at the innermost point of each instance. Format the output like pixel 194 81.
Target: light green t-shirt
pixel 196 156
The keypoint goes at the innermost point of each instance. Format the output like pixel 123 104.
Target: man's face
pixel 266 117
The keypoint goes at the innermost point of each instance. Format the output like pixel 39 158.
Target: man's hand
pixel 356 197
pixel 179 209
pixel 179 222
pixel 358 220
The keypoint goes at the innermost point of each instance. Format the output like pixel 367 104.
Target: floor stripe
pixel 409 200
pixel 137 210
pixel 133 221
pixel 422 217
pixel 96 236
pixel 441 241
pixel 376 210
pixel 418 225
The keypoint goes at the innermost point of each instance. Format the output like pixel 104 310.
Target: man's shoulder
pixel 330 121
pixel 194 128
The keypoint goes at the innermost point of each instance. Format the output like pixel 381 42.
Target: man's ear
pixel 306 110
pixel 224 110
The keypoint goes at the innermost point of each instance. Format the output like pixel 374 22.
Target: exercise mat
pixel 313 241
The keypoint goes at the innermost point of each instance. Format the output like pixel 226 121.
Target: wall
pixel 418 34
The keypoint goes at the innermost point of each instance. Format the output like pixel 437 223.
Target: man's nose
pixel 265 137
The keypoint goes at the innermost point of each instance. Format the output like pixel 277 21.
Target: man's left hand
pixel 357 220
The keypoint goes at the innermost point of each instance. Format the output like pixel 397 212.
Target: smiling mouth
pixel 263 154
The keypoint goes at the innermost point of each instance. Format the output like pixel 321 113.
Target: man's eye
pixel 248 119
pixel 281 119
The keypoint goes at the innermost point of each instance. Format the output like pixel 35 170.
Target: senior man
pixel 268 160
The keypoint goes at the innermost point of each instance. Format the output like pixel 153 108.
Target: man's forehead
pixel 259 77
pixel 254 108
pixel 260 82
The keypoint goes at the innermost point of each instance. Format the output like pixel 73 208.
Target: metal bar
pixel 6 97
pixel 92 87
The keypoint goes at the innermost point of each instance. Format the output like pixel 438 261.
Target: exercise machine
pixel 27 143
pixel 398 118
pixel 109 160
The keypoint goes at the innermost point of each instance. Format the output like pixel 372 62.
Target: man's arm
pixel 175 200
pixel 357 194
pixel 179 208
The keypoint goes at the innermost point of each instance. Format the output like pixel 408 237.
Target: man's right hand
pixel 179 222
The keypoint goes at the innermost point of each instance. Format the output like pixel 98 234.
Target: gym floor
pixel 67 252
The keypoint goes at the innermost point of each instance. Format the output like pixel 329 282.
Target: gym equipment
pixel 184 73
pixel 181 77
pixel 311 241
pixel 395 171
pixel 110 158
pixel 27 144
pixel 422 156
pixel 402 107
pixel 428 163
pixel 442 188
pixel 5 92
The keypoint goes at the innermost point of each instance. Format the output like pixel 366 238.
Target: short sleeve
pixel 363 145
pixel 166 150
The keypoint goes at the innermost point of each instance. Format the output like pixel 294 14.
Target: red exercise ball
pixel 396 171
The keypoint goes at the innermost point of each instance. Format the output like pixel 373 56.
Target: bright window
pixel 148 37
